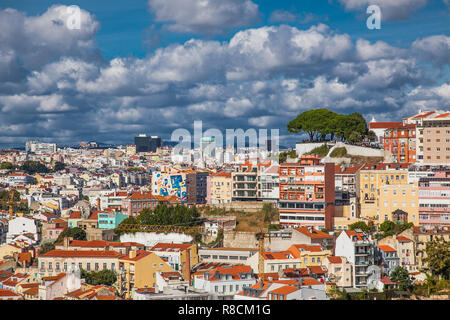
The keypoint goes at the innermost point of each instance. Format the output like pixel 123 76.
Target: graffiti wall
pixel 165 184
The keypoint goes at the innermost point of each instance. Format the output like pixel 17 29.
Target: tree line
pixel 321 123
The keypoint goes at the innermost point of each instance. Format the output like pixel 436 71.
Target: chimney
pixel 132 254
pixel 66 242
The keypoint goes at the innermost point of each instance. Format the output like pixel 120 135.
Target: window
pixel 88 266
pixel 96 266
pixel 65 266
pixel 104 266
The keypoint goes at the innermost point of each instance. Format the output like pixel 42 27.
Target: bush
pixel 321 151
pixel 338 152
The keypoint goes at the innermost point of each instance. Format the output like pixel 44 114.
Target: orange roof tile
pixel 386 248
pixel 82 254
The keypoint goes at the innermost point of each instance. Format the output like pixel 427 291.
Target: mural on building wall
pixel 171 185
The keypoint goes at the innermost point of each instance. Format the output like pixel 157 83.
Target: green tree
pixel 438 258
pixel 401 275
pixel 282 157
pixel 387 226
pixel 371 136
pixel 75 233
pixel 7 165
pixel 103 277
pixel 360 225
pixel 32 167
pixel 46 247
pixel 59 166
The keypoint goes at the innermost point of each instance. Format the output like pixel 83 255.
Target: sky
pixel 154 66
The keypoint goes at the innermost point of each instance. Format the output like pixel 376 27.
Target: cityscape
pixel 250 152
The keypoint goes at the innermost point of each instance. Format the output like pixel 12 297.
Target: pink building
pixel 434 200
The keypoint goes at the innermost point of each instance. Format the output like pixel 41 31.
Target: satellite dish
pixel 374 277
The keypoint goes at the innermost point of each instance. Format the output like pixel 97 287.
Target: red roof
pixel 82 254
pixel 8 293
pixel 403 239
pixel 387 280
pixel 383 125
pixel 162 247
pixel 314 234
pixel 284 290
pixel 386 248
pixel 334 259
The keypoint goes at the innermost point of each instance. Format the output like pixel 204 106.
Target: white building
pixel 225 281
pixel 358 248
pixel 21 226
pixel 40 147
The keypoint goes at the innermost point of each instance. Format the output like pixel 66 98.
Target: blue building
pixel 110 220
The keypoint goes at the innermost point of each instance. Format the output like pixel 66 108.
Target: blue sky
pixel 137 65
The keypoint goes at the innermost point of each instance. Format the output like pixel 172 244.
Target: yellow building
pixel 377 184
pixel 219 188
pixel 138 270
pixel 404 197
pixel 131 150
pixel 9 250
pixel 309 255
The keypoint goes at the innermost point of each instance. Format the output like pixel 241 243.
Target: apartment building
pixel 180 256
pixel 99 245
pixel 358 248
pixel 225 281
pixel 346 184
pixel 219 188
pixel 196 187
pixel 138 201
pixel 380 127
pixel 138 270
pixel 387 258
pixel 434 200
pixel 405 248
pixel 307 193
pixel 245 181
pixel 372 179
pixel 268 183
pixel 56 261
pixel 400 142
pixel 339 271
pixel 226 255
pixel 432 136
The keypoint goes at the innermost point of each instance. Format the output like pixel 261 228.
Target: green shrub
pixel 338 152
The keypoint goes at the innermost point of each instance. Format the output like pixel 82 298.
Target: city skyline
pixel 137 68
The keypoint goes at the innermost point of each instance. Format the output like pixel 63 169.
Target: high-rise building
pixel 432 136
pixel 307 193
pixel 144 143
pixel 40 147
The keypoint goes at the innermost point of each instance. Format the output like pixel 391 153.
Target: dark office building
pixel 196 187
pixel 147 144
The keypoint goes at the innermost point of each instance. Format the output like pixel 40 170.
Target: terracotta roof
pixel 24 256
pixel 316 270
pixel 403 239
pixel 383 125
pixel 278 255
pixel 387 280
pixel 315 234
pixel 32 291
pixel 83 254
pixel 170 247
pixel 222 174
pixel 284 290
pixel 347 170
pixel 139 255
pixel 8 293
pixel 386 248
pixel 334 259
pixel 353 233
pixel 75 215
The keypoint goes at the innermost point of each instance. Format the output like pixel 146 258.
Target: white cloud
pixel 434 48
pixel 204 16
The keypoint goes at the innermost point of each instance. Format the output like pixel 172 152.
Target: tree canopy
pixel 105 277
pixel 75 233
pixel 32 167
pixel 438 258
pixel 401 275
pixel 318 123
pixel 164 215
pixel 360 225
